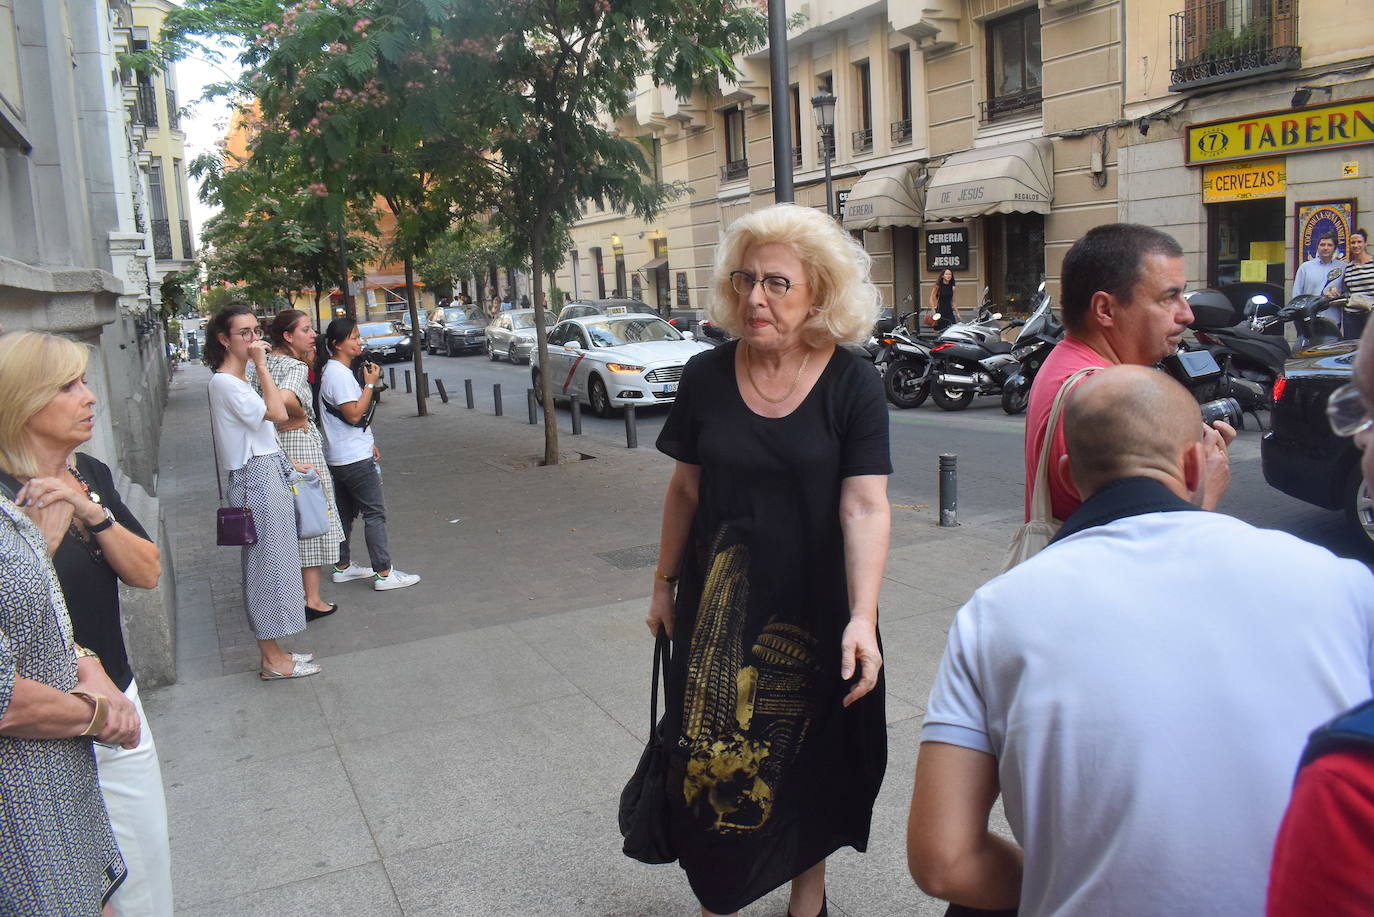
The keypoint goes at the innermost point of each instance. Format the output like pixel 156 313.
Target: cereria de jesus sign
pixel 1321 127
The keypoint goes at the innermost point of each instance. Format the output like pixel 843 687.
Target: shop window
pixel 1245 231
pixel 863 100
pixel 736 160
pixel 1013 66
pixel 901 65
pixel 1015 245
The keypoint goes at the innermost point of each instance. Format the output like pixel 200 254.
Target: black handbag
pixel 644 801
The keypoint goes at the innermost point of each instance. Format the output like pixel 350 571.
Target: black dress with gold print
pixel 770 773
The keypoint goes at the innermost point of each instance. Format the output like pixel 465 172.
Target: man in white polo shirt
pixel 1139 691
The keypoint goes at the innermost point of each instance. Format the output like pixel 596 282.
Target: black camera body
pixel 359 367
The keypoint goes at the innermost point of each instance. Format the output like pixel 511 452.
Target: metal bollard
pixel 443 392
pixel 496 397
pixel 577 417
pixel 407 382
pixel 467 390
pixel 631 428
pixel 949 489
pixel 392 371
pixel 534 411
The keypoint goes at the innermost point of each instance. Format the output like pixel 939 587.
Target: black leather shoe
pixel 312 614
pixel 823 912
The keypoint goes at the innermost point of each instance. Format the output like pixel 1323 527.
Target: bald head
pixel 1131 421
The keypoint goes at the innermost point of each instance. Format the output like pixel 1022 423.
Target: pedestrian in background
pixel 293 351
pixel 774 538
pixel 1357 280
pixel 1141 724
pixel 942 301
pixel 1320 275
pixel 353 457
pixel 46 412
pixel 58 856
pixel 259 478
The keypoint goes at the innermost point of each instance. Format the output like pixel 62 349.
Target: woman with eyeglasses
pixel 243 424
pixel 774 539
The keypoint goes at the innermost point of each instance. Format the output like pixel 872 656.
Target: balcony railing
pixel 1216 41
pixel 901 131
pixel 863 140
pixel 145 109
pixel 187 249
pixel 825 146
pixel 734 170
pixel 173 116
pixel 162 239
pixel 1020 103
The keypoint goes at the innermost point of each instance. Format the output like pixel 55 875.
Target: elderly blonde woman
pixel 57 853
pixel 774 538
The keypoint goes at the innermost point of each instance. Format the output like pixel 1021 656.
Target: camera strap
pixel 361 423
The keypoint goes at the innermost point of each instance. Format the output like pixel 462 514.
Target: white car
pixel 609 361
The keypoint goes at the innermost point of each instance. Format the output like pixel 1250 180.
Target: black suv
pixel 459 330
pixel 1300 454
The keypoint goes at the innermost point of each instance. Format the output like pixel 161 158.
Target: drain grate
pixel 644 555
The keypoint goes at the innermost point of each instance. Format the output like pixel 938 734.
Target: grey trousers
pixel 358 489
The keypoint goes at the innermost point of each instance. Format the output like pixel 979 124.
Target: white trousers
pixel 131 781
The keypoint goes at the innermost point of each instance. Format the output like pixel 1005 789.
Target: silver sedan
pixel 511 335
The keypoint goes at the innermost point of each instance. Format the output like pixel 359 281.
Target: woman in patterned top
pixel 57 851
pixel 293 351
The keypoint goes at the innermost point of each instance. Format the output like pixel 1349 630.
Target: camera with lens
pixel 359 368
pixel 1227 409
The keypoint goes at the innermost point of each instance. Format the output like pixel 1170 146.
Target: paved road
pixel 987 441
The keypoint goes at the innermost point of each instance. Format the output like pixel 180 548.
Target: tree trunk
pixel 416 353
pixel 319 320
pixel 350 306
pixel 542 335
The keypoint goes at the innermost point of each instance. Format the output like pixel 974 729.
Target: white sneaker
pixel 351 572
pixel 394 580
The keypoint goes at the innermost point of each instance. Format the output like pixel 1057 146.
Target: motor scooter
pixel 1032 345
pixel 973 359
pixel 1249 360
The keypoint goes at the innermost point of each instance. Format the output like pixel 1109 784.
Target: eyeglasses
pixel 1346 411
pixel 248 334
pixel 775 285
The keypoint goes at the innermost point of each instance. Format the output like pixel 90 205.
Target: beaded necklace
pixel 92 547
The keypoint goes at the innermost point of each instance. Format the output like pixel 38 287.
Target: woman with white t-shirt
pixel 246 439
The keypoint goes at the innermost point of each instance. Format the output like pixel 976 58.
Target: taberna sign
pixel 1320 127
pixel 947 247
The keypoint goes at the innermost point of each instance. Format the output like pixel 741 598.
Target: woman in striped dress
pixel 1357 278
pixel 246 441
pixel 293 349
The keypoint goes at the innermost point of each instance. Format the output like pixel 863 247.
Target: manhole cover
pixel 644 555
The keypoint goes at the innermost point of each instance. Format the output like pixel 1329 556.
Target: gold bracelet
pixel 98 716
pixel 83 653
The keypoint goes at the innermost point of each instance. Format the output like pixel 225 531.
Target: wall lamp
pixel 1303 93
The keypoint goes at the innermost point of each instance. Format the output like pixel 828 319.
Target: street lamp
pixel 823 104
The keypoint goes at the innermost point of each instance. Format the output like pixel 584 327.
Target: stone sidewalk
pixel 463 751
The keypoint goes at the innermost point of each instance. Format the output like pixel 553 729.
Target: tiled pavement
pixel 463 751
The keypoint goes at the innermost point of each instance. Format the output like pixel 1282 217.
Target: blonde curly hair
pixel 845 300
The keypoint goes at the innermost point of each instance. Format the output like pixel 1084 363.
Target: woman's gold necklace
pixel 749 373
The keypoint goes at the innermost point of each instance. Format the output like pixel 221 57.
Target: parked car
pixel 580 308
pixel 511 335
pixel 402 323
pixel 1300 454
pixel 383 343
pixel 459 330
pixel 609 361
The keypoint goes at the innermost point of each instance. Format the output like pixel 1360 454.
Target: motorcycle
pixel 1248 359
pixel 1032 345
pixel 972 359
pixel 904 361
pixel 1307 314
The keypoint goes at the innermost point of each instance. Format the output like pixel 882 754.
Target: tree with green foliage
pixel 567 64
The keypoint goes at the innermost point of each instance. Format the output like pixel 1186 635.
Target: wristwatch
pixel 103 524
pixel 371 385
pixel 98 715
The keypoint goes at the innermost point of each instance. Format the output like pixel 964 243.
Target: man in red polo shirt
pixel 1121 295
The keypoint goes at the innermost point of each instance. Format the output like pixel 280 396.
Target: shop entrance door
pixel 1245 231
pixel 1015 245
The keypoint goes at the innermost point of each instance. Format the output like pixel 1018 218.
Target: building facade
pixel 988 135
pixel 76 248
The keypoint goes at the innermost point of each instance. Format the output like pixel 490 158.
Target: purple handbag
pixel 234 526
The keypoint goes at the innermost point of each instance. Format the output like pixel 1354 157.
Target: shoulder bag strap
pixel 214 445
pixel 662 656
pixel 1041 509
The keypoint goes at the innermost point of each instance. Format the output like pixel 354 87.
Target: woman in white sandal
pixel 246 442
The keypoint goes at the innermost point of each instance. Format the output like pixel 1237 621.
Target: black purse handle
pixel 663 657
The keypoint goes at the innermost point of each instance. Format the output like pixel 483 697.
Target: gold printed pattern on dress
pixel 744 718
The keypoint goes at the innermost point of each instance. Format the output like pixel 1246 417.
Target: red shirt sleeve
pixel 1324 854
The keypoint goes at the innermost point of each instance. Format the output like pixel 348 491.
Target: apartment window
pixel 794 92
pixel 901 65
pixel 736 161
pixel 158 198
pixel 863 101
pixel 1013 65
